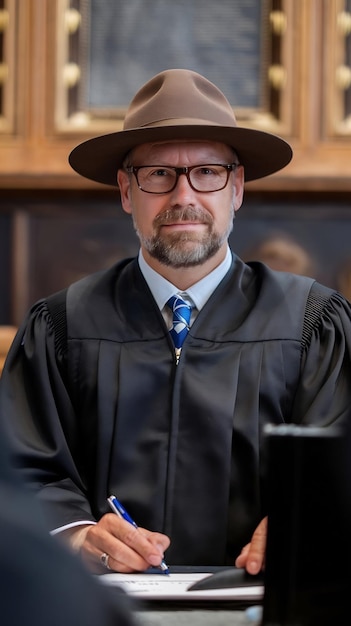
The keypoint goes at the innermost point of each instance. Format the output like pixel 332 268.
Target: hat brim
pixel 260 153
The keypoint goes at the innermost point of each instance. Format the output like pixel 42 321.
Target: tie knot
pixel 181 312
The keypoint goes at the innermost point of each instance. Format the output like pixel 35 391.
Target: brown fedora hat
pixel 179 104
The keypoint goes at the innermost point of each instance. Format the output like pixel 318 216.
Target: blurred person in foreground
pixel 41 582
pixel 100 397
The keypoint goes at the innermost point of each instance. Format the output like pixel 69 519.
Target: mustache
pixel 184 214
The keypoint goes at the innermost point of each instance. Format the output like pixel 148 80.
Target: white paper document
pixel 175 587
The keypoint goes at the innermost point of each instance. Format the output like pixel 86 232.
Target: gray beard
pixel 184 249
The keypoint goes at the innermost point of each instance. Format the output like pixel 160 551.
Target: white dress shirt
pixel 197 295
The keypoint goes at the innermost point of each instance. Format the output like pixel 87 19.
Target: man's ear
pixel 239 187
pixel 123 181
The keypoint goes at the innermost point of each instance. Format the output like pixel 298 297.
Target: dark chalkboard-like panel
pixel 70 238
pixel 127 42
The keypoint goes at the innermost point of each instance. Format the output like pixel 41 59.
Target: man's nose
pixel 183 187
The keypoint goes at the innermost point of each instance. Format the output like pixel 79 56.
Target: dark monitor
pixel 308 559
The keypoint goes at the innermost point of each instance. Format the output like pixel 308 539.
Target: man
pixel 100 398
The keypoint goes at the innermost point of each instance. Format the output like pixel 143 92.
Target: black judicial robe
pixel 181 446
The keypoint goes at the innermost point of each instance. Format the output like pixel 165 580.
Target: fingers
pixel 128 548
pixel 241 559
pixel 252 556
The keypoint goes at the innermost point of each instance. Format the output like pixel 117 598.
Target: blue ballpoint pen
pixel 117 508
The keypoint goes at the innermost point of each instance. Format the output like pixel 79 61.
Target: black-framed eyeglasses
pixel 163 178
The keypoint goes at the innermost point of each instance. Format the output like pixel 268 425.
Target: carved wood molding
pixel 307 97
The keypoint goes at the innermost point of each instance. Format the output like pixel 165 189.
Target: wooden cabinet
pixel 47 58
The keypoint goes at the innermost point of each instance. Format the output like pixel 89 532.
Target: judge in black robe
pixel 182 446
pixel 93 398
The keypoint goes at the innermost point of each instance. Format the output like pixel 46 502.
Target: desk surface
pixel 174 616
pixel 194 618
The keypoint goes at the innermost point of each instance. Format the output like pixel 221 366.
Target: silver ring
pixel 104 560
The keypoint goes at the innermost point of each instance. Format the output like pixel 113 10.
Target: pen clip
pixel 118 508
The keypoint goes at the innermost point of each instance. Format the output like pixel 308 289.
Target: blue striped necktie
pixel 181 312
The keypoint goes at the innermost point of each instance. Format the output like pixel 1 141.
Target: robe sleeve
pixel 40 419
pixel 323 396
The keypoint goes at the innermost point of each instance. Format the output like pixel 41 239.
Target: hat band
pixel 187 121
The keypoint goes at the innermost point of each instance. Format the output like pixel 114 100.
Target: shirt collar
pixel 199 293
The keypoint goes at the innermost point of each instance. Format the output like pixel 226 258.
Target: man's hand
pixel 252 556
pixel 129 549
